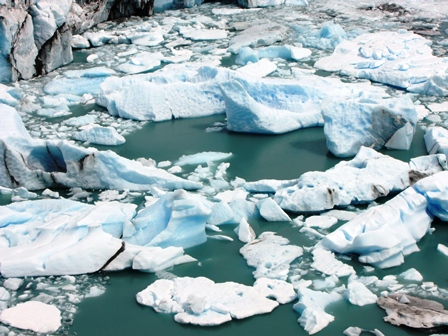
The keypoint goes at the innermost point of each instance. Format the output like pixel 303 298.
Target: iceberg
pixel 244 231
pixel 435 189
pixel 259 69
pixel 78 82
pixel 366 177
pixel 402 59
pixel 202 158
pixel 327 37
pixel 142 62
pixel 282 291
pixel 363 121
pixel 270 3
pixel 252 105
pixel 52 237
pixel 33 315
pixel 245 114
pixel 271 255
pixel 200 301
pixel 436 140
pixel 287 52
pixel 384 234
pixel 250 37
pixel 100 135
pixel 177 219
pixel 271 212
pixel 358 294
pixel 311 307
pixel 412 311
pixel 325 261
pixel 39 164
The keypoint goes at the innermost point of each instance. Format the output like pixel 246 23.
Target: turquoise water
pixel 254 157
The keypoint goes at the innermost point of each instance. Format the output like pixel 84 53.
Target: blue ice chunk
pixel 177 219
pixel 327 37
pixel 384 234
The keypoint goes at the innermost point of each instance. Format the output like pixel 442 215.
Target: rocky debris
pixel 413 312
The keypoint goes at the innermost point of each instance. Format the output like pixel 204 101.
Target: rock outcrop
pixel 413 312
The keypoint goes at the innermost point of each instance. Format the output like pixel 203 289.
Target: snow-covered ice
pixel 358 294
pixel 311 307
pixel 33 315
pixel 271 255
pixel 436 140
pixel 401 58
pixel 435 189
pixel 201 301
pixel 363 179
pixel 100 135
pixel 384 234
pixel 177 219
pixel 368 121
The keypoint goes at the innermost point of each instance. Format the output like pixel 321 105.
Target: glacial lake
pixel 255 157
pixel 287 156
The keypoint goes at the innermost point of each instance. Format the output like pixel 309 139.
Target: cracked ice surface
pixel 203 302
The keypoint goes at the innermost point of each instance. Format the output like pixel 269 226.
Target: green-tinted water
pixel 255 157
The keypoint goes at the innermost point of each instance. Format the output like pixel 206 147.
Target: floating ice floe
pixel 363 121
pixel 202 34
pixel 259 69
pixel 402 59
pixel 38 164
pixel 436 140
pixel 363 179
pixel 384 234
pixel 176 219
pixel 244 231
pixel 311 307
pixel 271 255
pixel 327 37
pixel 287 52
pixel 54 237
pixel 270 3
pixel 201 301
pixel 33 315
pixel 141 62
pixel 100 135
pixel 271 211
pixel 202 158
pixel 250 37
pixel 435 190
pixel 252 105
pixel 325 261
pixel 358 294
pixel 78 82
